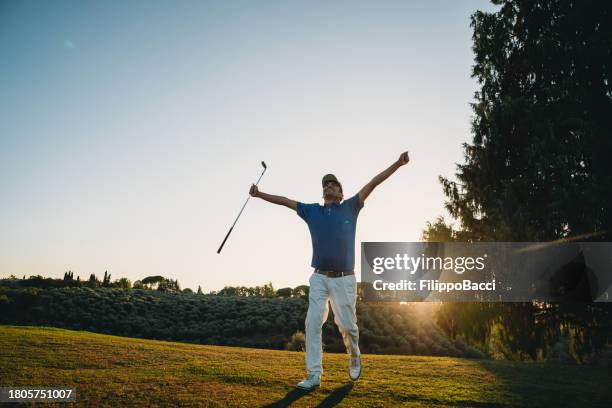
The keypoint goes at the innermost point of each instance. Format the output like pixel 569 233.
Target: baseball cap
pixel 330 177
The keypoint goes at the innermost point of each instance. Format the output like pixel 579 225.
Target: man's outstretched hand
pixel 274 199
pixel 367 189
pixel 403 159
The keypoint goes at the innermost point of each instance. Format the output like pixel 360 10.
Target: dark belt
pixel 334 274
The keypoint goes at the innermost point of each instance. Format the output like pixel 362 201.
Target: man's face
pixel 332 191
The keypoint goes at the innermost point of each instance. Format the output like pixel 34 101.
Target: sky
pixel 130 132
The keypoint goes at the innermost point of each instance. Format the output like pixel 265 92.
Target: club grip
pixel 225 239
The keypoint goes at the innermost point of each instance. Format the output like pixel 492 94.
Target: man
pixel 332 231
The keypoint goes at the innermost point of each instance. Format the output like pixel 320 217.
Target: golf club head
pixel 264 165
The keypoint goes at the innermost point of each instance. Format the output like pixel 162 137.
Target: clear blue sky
pixel 130 132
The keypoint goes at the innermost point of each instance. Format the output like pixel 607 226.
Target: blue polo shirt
pixel 332 230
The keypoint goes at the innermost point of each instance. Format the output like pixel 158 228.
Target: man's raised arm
pixel 280 200
pixel 367 189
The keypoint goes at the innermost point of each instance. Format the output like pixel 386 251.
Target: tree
pixel 284 292
pixel 107 278
pixel 93 281
pixel 228 291
pixel 123 283
pixel 268 290
pixel 538 166
pixel 199 290
pixel 301 291
pixel 439 231
pixel 151 282
pixel 168 285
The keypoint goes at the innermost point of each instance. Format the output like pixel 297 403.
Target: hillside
pixel 254 321
pixel 119 371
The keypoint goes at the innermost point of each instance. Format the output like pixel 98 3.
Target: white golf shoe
pixel 355 367
pixel 310 383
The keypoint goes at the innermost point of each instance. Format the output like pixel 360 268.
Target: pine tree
pixel 538 166
pixel 93 281
pixel 107 279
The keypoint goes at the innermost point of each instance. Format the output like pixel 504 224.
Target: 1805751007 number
pixel 20 394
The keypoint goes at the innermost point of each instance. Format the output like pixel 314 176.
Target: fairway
pixel 118 371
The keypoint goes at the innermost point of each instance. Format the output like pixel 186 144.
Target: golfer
pixel 332 230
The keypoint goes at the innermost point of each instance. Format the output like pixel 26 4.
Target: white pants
pixel 342 293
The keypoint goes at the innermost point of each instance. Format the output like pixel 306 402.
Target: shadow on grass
pixel 336 396
pixel 559 385
pixel 332 399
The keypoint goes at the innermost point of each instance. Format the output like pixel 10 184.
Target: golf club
pixel 245 203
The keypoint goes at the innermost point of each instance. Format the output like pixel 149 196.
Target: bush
pixel 559 353
pixel 297 342
pixel 472 352
pixel 374 348
pixel 421 349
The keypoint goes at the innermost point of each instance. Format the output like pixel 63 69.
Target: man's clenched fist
pixel 254 191
pixel 403 159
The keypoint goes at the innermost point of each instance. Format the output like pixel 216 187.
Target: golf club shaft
pixel 242 209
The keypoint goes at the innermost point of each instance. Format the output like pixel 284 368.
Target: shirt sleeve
pixel 303 210
pixel 354 204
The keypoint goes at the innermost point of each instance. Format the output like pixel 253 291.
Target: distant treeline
pixel 263 317
pixel 251 321
pixel 155 282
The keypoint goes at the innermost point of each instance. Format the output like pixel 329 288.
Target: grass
pixel 118 371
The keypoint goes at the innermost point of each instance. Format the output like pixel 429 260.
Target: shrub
pixel 297 342
pixel 472 352
pixel 421 349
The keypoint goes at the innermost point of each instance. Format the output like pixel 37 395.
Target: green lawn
pixel 118 371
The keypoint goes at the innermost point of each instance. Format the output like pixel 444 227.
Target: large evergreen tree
pixel 538 167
